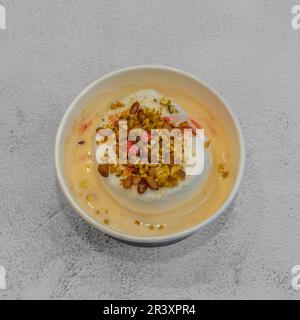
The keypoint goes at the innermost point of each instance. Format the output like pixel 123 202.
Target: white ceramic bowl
pixel 162 76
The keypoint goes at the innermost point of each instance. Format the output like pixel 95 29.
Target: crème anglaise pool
pixel 147 199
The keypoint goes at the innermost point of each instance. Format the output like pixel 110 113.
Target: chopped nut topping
pixel 103 169
pixel 116 105
pixel 83 184
pixel 142 187
pixel 225 174
pixel 134 108
pixel 136 179
pixel 164 101
pixel 171 108
pixel 89 198
pixel 146 176
pixel 222 171
pixel 127 182
pixel 151 183
pixel 207 143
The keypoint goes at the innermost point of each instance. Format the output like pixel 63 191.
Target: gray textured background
pixel 247 50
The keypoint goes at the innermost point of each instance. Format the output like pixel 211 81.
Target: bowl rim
pixel 140 239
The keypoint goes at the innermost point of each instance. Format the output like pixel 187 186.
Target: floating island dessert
pixel 150 186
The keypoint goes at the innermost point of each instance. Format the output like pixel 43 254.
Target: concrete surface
pixel 247 50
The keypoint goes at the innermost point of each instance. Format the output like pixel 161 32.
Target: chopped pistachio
pixel 83 184
pixel 162 175
pixel 221 167
pixel 89 198
pixel 224 174
pixel 119 174
pixel 207 143
pixel 164 101
pixel 171 108
pixel 222 171
pixel 112 168
pixel 174 170
pixel 116 105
